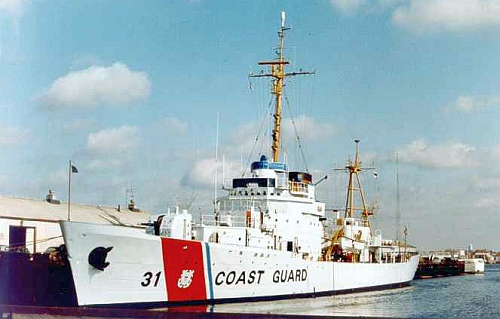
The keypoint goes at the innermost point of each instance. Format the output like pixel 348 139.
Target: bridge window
pixel 259 182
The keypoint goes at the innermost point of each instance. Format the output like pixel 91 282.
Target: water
pixel 470 296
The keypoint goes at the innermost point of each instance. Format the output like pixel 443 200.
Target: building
pixel 485 255
pixel 33 225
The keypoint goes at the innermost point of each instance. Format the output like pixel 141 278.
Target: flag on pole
pixel 74 169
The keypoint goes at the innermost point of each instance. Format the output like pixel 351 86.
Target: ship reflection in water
pixel 469 296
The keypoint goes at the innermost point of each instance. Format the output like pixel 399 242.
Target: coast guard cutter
pixel 265 241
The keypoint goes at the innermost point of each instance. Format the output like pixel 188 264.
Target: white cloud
pixel 10 135
pixel 78 125
pixel 14 8
pixel 450 155
pixel 115 85
pixel 348 6
pixel 485 185
pixel 389 3
pixel 474 104
pixel 99 164
pixel 449 15
pixel 430 15
pixel 484 203
pixel 202 172
pixel 495 152
pixel 57 178
pixel 113 139
pixel 244 137
pixel 174 125
pixel 308 129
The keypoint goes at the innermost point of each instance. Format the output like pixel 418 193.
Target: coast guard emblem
pixel 185 279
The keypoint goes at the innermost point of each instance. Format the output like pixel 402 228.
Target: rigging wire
pixel 256 139
pixel 299 143
pixel 16 246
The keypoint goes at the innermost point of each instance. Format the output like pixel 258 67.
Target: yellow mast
pixel 354 169
pixel 279 75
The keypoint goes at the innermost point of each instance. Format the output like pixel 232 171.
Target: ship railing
pixel 298 188
pixel 222 220
pixel 282 182
pixel 268 227
pixel 387 242
pixel 236 207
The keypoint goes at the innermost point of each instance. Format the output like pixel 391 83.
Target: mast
pixel 216 163
pixel 277 68
pixel 398 201
pixel 354 168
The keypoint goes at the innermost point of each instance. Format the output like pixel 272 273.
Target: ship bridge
pixel 272 178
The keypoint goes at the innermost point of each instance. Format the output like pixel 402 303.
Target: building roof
pixel 35 209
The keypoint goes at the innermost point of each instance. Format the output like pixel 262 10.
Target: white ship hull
pixel 151 270
pixel 474 266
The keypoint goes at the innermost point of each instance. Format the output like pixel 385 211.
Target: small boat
pixel 474 266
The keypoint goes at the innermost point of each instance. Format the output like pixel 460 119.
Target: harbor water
pixel 467 296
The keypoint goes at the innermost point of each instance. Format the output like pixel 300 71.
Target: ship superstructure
pixel 273 209
pixel 265 240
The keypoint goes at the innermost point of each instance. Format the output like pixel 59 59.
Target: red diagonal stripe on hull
pixel 183 255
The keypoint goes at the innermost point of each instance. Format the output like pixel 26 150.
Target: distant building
pixel 485 255
pixel 33 225
pixel 461 254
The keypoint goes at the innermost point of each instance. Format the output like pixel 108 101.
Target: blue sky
pixel 130 91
